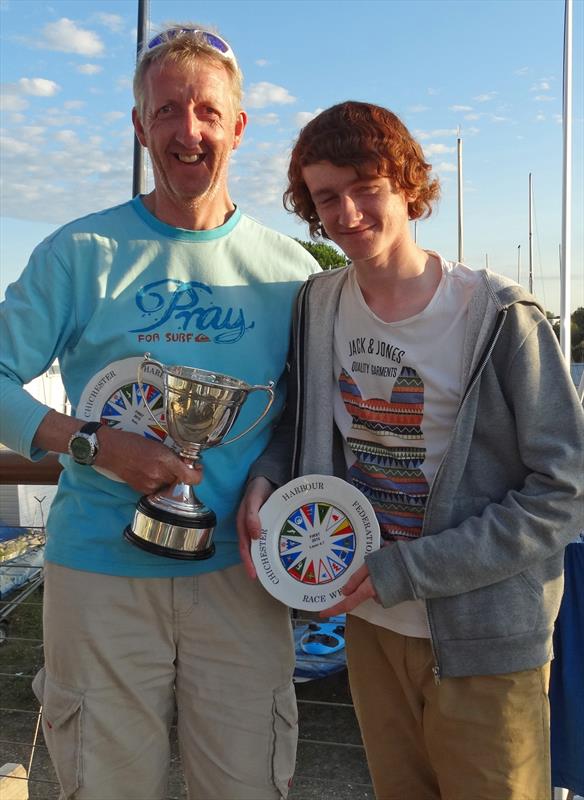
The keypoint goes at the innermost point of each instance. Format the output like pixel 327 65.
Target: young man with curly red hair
pixel 441 393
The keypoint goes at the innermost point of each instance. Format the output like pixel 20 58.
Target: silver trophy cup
pixel 200 409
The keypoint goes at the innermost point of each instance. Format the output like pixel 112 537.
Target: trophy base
pixel 166 534
pixel 169 552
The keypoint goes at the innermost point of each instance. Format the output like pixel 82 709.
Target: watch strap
pixel 90 427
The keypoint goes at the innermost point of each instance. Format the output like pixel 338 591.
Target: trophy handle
pixel 147 360
pixel 270 390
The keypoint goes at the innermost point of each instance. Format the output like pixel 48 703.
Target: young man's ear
pixel 138 127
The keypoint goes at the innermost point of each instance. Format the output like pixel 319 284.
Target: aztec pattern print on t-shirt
pixel 388 473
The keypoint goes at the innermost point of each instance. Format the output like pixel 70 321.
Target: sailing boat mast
pixel 138 174
pixel 566 250
pixel 460 209
pixel 518 263
pixel 530 235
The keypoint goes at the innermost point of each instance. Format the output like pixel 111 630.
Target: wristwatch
pixel 83 446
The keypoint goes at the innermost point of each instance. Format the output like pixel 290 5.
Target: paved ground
pixel 331 761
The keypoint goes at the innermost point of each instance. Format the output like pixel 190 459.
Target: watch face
pixel 81 449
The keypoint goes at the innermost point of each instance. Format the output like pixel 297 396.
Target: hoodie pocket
pixel 512 607
pixel 63 729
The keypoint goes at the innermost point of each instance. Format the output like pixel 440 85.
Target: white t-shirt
pixel 397 389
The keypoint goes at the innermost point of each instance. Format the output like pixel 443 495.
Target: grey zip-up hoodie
pixel 506 499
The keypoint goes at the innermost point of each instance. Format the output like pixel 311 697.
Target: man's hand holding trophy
pixel 200 408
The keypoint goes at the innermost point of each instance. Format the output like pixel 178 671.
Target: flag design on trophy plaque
pixel 316 543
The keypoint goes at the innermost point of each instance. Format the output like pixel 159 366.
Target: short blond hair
pixel 183 46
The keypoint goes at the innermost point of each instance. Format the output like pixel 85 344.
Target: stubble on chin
pixel 195 202
pixel 208 195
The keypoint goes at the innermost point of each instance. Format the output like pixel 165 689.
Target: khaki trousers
pixel 476 738
pixel 123 653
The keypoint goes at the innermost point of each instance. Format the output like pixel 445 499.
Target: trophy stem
pixel 174 522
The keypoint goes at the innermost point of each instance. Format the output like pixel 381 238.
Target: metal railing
pixel 15 469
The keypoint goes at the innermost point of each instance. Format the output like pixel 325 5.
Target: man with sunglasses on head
pixel 441 393
pixel 131 637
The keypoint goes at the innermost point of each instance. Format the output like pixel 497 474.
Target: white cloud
pixel 445 166
pixel 15 147
pixel 113 116
pixel 460 108
pixel 543 98
pixel 89 69
pixel 440 133
pixel 445 133
pixel 74 104
pixel 39 87
pixel 472 116
pixel 522 71
pixel 66 37
pixel 262 62
pixel 57 181
pixel 540 117
pixel 542 85
pixel 433 92
pixel 31 131
pixel 59 118
pixel 304 117
pixel 66 137
pixel 262 179
pixel 437 149
pixel 484 98
pixel 262 94
pixel 417 109
pixel 266 119
pixel 114 22
pixel 12 102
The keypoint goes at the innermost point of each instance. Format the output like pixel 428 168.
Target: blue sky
pixel 492 68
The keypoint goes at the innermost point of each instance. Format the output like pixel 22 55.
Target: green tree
pixel 327 256
pixel 576 333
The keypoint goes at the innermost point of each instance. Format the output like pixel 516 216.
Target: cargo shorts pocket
pixel 62 728
pixel 285 721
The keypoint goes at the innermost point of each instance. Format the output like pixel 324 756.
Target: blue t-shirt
pixel 97 295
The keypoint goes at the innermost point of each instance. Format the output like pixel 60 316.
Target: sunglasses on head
pixel 212 39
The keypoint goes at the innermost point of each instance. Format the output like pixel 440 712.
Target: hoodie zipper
pixel 474 378
pixel 299 371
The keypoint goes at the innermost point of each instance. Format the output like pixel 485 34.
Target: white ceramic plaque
pixel 316 532
pixel 113 397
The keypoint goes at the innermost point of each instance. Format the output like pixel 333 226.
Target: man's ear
pixel 138 127
pixel 240 123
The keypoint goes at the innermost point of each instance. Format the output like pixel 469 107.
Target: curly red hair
pixel 360 134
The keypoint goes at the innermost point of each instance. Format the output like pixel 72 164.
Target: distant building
pixel 48 389
pixel 29 505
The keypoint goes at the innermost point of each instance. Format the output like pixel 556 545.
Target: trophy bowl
pixel 200 407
